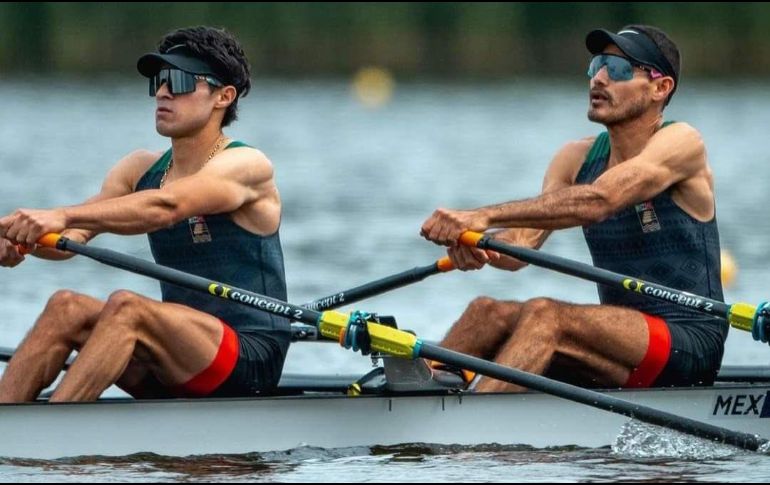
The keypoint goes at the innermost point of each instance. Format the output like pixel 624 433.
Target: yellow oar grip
pixel 384 339
pixel 470 238
pixel 741 316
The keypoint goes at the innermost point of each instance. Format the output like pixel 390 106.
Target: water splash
pixel 764 449
pixel 640 440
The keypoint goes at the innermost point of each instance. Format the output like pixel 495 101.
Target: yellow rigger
pixel 384 339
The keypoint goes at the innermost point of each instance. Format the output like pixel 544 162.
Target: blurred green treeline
pixel 443 40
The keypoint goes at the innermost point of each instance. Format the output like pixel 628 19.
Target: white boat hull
pixel 233 426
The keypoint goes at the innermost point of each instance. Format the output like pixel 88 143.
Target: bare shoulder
pixel 129 169
pixel 568 160
pixel 137 161
pixel 681 128
pixel 247 164
pixel 677 144
pixel 577 149
pixel 680 133
pixel 242 158
pixel 249 155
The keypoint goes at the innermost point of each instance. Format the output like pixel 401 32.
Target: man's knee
pixel 492 307
pixel 65 312
pixel 545 313
pixel 483 305
pixel 64 302
pixel 542 306
pixel 124 307
pixel 123 300
pixel 495 314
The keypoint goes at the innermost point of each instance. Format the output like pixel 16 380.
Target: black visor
pixel 634 44
pixel 177 56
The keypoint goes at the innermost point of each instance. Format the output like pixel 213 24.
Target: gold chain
pixel 220 140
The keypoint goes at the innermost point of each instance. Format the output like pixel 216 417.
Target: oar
pixel 301 332
pixel 743 316
pixel 7 352
pixel 744 373
pixel 382 285
pixel 398 343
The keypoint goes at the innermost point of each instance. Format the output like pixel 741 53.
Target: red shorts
pixel 656 358
pixel 218 371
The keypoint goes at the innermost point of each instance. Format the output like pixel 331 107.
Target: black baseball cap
pixel 178 56
pixel 637 46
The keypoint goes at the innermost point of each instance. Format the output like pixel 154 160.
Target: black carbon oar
pixel 377 287
pixel 751 318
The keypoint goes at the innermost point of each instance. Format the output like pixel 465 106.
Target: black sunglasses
pixel 178 81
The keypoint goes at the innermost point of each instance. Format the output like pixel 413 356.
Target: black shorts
pixel 246 364
pixel 257 370
pixel 679 353
pixel 695 356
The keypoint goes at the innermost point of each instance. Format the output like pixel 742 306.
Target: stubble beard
pixel 632 111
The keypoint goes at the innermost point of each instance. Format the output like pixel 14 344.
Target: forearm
pixel 578 205
pixel 137 213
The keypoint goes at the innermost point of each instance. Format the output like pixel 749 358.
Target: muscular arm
pixel 120 181
pixel 229 181
pixel 561 173
pixel 672 155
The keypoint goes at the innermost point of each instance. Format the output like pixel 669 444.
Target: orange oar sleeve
pixel 470 238
pixel 445 264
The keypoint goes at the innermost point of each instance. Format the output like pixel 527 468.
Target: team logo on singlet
pixel 647 217
pixel 199 229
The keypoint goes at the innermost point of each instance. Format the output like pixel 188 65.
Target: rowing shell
pixel 181 427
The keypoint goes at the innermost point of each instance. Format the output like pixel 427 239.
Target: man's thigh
pixel 599 345
pixel 176 343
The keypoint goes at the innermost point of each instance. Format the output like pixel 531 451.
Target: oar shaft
pixel 591 398
pixel 193 282
pixel 331 324
pixel 380 286
pixel 600 276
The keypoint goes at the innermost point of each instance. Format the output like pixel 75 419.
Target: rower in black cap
pixel 643 193
pixel 210 207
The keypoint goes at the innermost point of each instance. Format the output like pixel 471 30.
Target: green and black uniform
pixel 659 242
pixel 216 248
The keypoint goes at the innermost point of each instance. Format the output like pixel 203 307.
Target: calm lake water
pixel 357 184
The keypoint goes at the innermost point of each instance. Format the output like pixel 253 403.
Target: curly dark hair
pixel 222 51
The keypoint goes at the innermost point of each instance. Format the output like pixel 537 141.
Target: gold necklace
pixel 214 151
